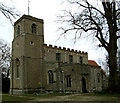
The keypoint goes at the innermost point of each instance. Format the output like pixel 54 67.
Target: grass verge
pixel 63 97
pixel 97 97
pixel 8 97
pixel 28 97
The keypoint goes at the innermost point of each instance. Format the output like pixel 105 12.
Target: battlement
pixel 65 49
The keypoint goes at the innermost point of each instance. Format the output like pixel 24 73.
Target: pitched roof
pixel 103 71
pixel 92 62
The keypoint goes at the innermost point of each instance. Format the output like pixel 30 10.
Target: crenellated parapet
pixel 65 49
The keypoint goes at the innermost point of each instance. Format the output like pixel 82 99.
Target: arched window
pixel 51 76
pixel 98 77
pixel 17 67
pixel 18 29
pixel 34 28
pixel 68 78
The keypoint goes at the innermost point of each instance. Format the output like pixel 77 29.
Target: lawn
pixel 62 97
pixel 28 97
pixel 8 97
pixel 96 97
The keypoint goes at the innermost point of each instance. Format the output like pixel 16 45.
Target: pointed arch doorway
pixel 84 85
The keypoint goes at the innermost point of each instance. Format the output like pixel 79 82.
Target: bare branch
pixel 9 13
pixel 90 6
pixel 118 37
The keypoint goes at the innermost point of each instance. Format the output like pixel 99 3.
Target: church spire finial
pixel 28 7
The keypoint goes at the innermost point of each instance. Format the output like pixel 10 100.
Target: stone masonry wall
pixel 50 54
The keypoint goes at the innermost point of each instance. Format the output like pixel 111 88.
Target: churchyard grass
pixel 28 97
pixel 96 97
pixel 8 97
pixel 63 97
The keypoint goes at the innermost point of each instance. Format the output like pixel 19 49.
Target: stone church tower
pixel 27 55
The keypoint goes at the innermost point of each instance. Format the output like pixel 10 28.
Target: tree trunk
pixel 110 12
pixel 112 62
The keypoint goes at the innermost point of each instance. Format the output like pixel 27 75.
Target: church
pixel 38 67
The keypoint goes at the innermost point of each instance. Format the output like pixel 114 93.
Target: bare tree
pixel 101 21
pixel 5 58
pixel 9 12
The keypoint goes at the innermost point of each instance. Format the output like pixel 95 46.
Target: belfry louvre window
pixel 58 57
pixel 34 28
pixel 51 76
pixel 81 60
pixel 18 29
pixel 68 78
pixel 70 59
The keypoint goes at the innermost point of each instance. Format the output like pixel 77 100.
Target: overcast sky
pixel 47 10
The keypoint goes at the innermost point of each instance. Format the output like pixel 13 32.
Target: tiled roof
pixel 103 71
pixel 92 62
